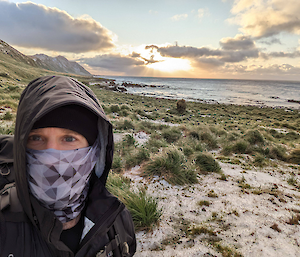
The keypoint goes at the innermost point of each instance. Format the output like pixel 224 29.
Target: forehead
pixel 50 130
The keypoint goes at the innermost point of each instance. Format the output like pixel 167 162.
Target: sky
pixel 222 39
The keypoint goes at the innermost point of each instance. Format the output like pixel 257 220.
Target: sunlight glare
pixel 171 65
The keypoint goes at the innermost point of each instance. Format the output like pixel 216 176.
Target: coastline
pixel 231 94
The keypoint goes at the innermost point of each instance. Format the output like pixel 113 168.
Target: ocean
pixel 279 94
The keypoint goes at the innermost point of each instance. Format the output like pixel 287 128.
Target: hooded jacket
pixel 37 233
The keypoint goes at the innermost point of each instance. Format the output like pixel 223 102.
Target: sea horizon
pixel 269 93
pixel 149 77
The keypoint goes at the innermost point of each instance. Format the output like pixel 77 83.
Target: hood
pixel 42 96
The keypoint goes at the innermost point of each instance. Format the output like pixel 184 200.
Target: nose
pixel 52 143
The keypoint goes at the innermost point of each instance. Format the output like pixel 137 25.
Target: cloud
pixel 147 60
pixel 239 42
pixel 187 51
pixel 116 62
pixel 208 63
pixel 270 41
pixel 233 50
pixel 37 26
pixel 178 17
pixel 259 70
pixel 295 54
pixel 201 13
pixel 266 18
pixel 152 47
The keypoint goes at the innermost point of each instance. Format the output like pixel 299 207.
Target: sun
pixel 171 65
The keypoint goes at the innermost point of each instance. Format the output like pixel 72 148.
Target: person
pixel 63 150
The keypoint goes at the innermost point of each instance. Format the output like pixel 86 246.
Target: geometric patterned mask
pixel 59 179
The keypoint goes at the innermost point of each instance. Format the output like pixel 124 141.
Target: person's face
pixel 55 138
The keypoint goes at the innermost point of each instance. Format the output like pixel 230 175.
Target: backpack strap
pixel 116 246
pixel 10 202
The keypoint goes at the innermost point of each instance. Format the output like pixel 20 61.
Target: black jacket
pixel 35 231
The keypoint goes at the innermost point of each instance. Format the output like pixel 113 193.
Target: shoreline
pixel 128 88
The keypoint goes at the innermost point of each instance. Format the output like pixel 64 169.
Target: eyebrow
pixel 68 131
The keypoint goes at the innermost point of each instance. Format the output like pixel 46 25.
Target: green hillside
pixel 17 67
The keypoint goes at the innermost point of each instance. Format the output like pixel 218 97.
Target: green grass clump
pixel 292 136
pixel 117 182
pixel 143 208
pixel 277 152
pixel 276 134
pixel 198 230
pixel 141 155
pixel 117 164
pixel 207 163
pixel 292 181
pixel 254 137
pixel 240 147
pixel 153 145
pixel 7 116
pixel 294 157
pixel 259 161
pixel 226 251
pixel 125 125
pixel 114 108
pixel 203 202
pixel 194 135
pixel 128 140
pixel 209 140
pixel 188 151
pixel 171 165
pixel 171 135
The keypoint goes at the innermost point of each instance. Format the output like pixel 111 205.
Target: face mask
pixel 59 178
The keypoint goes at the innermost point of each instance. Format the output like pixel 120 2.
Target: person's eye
pixel 35 138
pixel 69 139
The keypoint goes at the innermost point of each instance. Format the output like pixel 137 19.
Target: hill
pixel 17 66
pixel 59 63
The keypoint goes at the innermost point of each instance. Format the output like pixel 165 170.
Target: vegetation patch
pixel 171 165
pixel 207 163
pixel 143 208
pixel 171 135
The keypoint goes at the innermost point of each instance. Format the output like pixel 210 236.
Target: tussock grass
pixel 137 158
pixel 254 137
pixel 294 156
pixel 278 152
pixel 171 165
pixel 124 125
pixel 143 208
pixel 207 163
pixel 7 116
pixel 209 140
pixel 171 135
pixel 153 145
pixel 117 164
